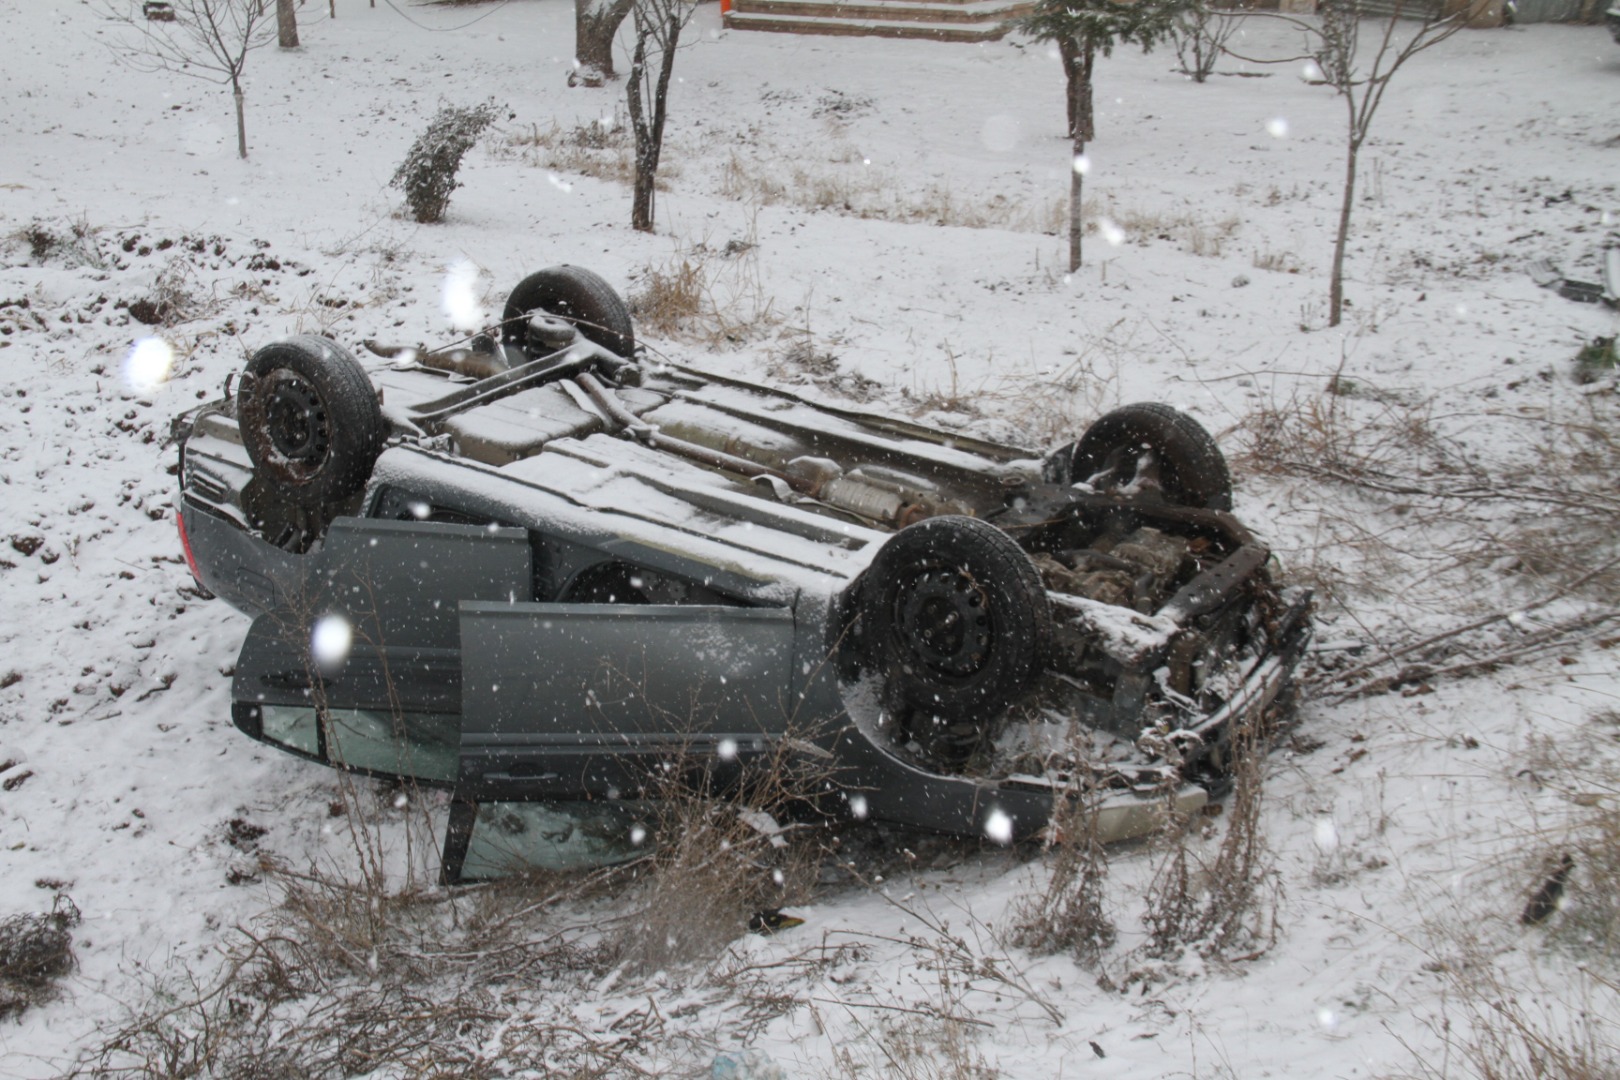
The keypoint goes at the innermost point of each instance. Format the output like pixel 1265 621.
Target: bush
pixel 428 173
pixel 35 951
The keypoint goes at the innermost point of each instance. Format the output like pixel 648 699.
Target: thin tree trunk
pixel 241 123
pixel 666 68
pixel 1336 279
pixel 1085 126
pixel 641 199
pixel 649 130
pixel 1069 51
pixel 1076 225
pixel 1078 60
pixel 287 24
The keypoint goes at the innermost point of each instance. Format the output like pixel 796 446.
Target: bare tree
pixel 658 33
pixel 286 24
pixel 1200 37
pixel 596 23
pixel 207 39
pixel 1334 45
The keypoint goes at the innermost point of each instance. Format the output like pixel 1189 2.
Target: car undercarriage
pixel 558 568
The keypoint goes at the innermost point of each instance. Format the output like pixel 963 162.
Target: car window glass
pixel 420 745
pixel 423 746
pixel 512 837
pixel 292 726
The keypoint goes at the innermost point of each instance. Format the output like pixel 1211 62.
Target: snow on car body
pixel 557 569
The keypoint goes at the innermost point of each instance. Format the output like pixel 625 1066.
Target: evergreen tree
pixel 1083 30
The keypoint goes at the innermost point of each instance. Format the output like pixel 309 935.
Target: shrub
pixel 428 173
pixel 1596 360
pixel 35 951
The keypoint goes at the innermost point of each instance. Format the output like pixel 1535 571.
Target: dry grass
pixel 668 298
pixel 1188 229
pixel 1409 507
pixel 725 848
pixel 1572 865
pixel 1225 907
pixel 715 865
pixel 709 294
pixel 77 243
pixel 601 149
pixel 1495 1027
pixel 1068 915
pixel 1239 919
pixel 935 1035
pixel 340 981
pixel 934 1043
pixel 797 361
pixel 1533 998
pixel 849 185
pixel 359 972
pixel 1281 262
pixel 176 297
pixel 767 175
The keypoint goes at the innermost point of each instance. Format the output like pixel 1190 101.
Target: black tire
pixel 310 420
pixel 1192 469
pixel 574 294
pixel 955 618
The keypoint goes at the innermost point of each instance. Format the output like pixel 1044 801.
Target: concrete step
pixel 934 11
pixel 937 21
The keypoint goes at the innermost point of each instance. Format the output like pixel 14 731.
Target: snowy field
pixel 893 206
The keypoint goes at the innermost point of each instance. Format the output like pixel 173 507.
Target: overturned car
pixel 541 570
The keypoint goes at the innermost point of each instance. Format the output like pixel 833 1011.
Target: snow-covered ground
pixel 893 204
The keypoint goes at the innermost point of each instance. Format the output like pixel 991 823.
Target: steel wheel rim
pixel 297 422
pixel 942 621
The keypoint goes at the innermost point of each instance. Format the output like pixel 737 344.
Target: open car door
pixel 358 662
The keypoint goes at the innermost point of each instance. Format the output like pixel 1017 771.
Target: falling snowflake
pixel 1327 835
pixel 461 305
pixel 148 365
pixel 330 640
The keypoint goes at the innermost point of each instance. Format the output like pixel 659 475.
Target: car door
pixel 358 664
pixel 603 704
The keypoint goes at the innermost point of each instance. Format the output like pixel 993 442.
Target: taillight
pixel 185 545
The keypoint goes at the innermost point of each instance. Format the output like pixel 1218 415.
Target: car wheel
pixel 955 619
pixel 576 295
pixel 310 420
pixel 1133 441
